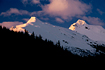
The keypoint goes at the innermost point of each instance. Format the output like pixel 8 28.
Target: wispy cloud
pixel 21 12
pixel 59 20
pixel 101 12
pixel 15 11
pixel 10 24
pixel 36 1
pixel 25 19
pixel 44 18
pixel 25 2
pixel 93 20
pixel 37 13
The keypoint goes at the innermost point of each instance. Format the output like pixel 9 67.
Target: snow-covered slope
pixel 94 32
pixel 69 39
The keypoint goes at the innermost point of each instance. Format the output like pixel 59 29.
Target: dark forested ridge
pixel 19 46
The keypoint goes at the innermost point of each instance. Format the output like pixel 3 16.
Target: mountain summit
pixel 94 32
pixel 73 41
pixel 32 19
pixel 79 23
pixel 22 26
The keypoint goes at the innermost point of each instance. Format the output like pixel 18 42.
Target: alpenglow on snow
pixel 68 39
pixel 94 32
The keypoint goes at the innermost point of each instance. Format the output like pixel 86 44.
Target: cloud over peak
pixel 93 20
pixel 66 8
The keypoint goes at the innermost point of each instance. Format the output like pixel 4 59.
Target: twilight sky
pixel 57 12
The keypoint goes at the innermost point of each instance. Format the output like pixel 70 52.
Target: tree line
pixel 22 46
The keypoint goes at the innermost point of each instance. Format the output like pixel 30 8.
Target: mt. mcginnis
pixel 69 39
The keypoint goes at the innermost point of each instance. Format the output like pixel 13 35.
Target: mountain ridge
pixel 94 32
pixel 20 47
pixel 67 37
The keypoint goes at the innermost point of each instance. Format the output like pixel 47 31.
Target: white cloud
pixel 100 11
pixel 15 11
pixel 93 20
pixel 65 8
pixel 10 24
pixel 59 20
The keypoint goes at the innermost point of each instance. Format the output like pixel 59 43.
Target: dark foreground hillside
pixel 19 47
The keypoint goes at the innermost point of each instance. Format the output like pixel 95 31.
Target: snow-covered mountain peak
pixel 32 19
pixel 79 24
pixel 94 32
pixel 68 39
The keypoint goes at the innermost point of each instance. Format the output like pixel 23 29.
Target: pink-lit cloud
pixel 22 12
pixel 66 8
pixel 101 12
pixel 10 24
pixel 93 20
pixel 14 11
pixel 25 1
pixel 33 13
pixel 36 1
pixel 59 20
pixel 25 19
pixel 44 18
pixel 37 13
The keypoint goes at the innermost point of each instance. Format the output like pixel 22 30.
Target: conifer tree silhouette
pixel 25 46
pixel 32 35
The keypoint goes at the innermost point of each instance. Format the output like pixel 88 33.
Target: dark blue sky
pixel 57 12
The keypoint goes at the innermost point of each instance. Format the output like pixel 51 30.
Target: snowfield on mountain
pixel 76 39
pixel 94 32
